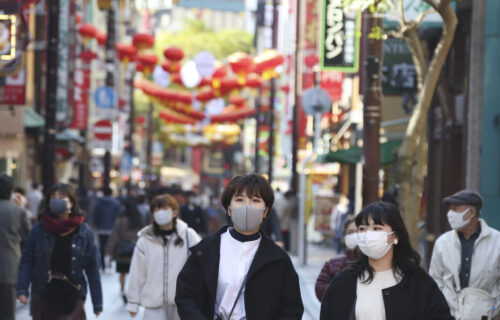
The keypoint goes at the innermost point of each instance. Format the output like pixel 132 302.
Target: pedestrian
pixel 466 260
pixel 339 213
pixel 14 227
pixel 105 212
pixel 122 242
pixel 336 264
pixel 193 215
pixel 160 253
pixel 34 197
pixel 238 272
pixel 386 282
pixel 57 252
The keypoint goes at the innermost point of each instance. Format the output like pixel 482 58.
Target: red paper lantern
pixel 311 60
pixel 266 62
pixel 143 41
pixel 101 38
pixel 87 30
pixel 141 119
pixel 228 85
pixel 253 81
pixel 176 78
pixel 171 67
pixel 205 95
pixel 173 54
pixel 87 56
pixel 237 101
pixel 125 52
pixel 204 82
pixel 233 116
pixel 241 64
pixel 78 18
pixel 139 67
pixel 149 61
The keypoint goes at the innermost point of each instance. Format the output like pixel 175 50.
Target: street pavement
pixel 114 308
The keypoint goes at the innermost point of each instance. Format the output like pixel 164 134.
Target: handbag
pixel 61 295
pixel 473 303
pixel 125 249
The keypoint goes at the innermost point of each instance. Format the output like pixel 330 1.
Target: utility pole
pixel 110 66
pixel 272 96
pixel 257 130
pixel 298 93
pixel 48 168
pixel 372 101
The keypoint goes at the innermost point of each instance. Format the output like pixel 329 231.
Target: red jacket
pixel 330 269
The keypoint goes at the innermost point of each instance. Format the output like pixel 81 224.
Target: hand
pixel 132 314
pixel 18 199
pixel 23 299
pixel 280 244
pixel 97 314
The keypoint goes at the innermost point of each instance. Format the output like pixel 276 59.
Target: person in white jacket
pixel 159 255
pixel 466 260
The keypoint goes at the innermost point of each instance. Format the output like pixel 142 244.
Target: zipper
pixel 165 272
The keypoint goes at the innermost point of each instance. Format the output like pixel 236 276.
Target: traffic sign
pixel 103 130
pixel 316 100
pixel 104 97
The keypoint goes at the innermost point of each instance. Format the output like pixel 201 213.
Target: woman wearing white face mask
pixel 386 282
pixel 160 253
pixel 237 272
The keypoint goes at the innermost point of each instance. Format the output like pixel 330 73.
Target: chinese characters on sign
pixel 340 38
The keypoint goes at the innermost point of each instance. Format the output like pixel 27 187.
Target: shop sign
pixel 398 72
pixel 340 38
pixel 81 92
pixel 13 89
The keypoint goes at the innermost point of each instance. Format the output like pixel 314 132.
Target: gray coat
pixel 14 228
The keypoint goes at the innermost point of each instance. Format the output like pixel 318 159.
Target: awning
pixel 32 119
pixel 353 154
pixel 68 135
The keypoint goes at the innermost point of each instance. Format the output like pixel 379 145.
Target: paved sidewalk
pixel 316 257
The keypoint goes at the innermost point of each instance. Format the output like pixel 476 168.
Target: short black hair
pixel 253 184
pixel 107 191
pixel 6 185
pixel 34 185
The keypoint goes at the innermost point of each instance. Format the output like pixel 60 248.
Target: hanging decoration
pixel 87 31
pixel 267 62
pixel 143 41
pixel 241 64
pixel 126 53
pixel 148 60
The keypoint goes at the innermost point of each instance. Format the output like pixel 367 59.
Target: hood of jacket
pixel 148 231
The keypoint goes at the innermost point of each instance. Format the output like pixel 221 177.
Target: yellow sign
pixel 7 37
pixel 104 4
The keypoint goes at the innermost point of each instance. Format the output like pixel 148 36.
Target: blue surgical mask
pixel 58 206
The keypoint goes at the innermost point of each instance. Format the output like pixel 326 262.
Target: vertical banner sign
pixel 339 38
pixel 310 48
pixel 63 63
pixel 81 100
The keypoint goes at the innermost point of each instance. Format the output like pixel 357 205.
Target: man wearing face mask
pixel 238 272
pixel 465 261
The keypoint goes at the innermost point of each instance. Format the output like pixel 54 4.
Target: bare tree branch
pixel 422 15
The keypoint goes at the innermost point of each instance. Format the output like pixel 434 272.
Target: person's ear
pixel 265 213
pixel 229 212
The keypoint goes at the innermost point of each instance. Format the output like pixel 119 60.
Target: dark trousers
pixel 103 240
pixel 7 301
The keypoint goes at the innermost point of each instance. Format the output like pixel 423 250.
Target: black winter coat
pixel 419 299
pixel 272 291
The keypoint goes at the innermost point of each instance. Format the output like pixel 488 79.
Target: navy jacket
pixel 410 299
pixel 35 261
pixel 272 291
pixel 105 212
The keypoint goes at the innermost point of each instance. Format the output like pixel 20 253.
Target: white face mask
pixel 374 244
pixel 351 241
pixel 163 216
pixel 456 219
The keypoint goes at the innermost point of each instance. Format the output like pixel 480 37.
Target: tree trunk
pixel 412 153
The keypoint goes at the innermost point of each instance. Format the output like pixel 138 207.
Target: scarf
pixel 55 226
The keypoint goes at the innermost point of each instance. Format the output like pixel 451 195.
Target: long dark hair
pixel 133 214
pixel 64 190
pixel 405 259
pixel 164 201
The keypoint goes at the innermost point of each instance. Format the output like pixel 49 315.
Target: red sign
pixel 103 130
pixel 14 89
pixel 81 93
pixel 331 81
